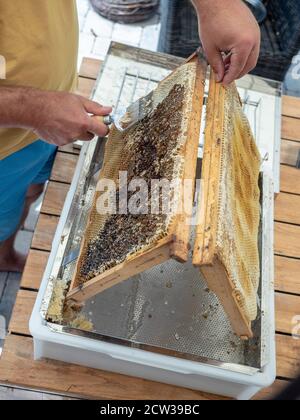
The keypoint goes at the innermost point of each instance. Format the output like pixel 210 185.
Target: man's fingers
pixel 94 108
pixel 87 136
pixel 97 127
pixel 215 59
pixel 238 62
pixel 251 63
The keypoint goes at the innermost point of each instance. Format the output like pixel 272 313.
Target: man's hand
pixel 228 26
pixel 56 117
pixel 64 117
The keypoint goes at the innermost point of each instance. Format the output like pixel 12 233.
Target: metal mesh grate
pixel 170 307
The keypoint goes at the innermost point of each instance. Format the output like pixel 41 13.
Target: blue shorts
pixel 30 165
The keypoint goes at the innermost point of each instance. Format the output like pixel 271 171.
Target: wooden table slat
pixel 55 198
pixel 64 167
pixel 287 240
pixel 287 308
pixel 291 106
pixel 34 269
pixel 290 179
pixel 290 152
pixel 44 232
pixel 287 355
pixel 68 148
pixel 272 391
pixel 19 323
pixel 90 68
pixel 290 128
pixel 85 86
pixel 287 278
pixel 287 208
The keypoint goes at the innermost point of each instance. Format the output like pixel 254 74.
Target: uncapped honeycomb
pixel 151 150
pixel 149 153
pixel 239 205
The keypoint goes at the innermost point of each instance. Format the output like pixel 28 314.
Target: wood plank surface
pixel 288 359
pixel 44 232
pixel 287 208
pixel 290 179
pixel 85 86
pixel 55 198
pixel 272 391
pixel 90 68
pixel 287 240
pixel 68 148
pixel 291 106
pixel 290 128
pixel 290 152
pixel 287 308
pixel 19 323
pixel 34 269
pixel 81 381
pixel 64 167
pixel 287 278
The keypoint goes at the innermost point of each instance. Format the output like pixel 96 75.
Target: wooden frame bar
pixel 205 254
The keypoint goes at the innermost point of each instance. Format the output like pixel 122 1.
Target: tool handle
pixel 107 119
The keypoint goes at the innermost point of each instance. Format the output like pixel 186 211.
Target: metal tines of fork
pixel 131 101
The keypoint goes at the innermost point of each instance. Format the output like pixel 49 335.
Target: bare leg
pixel 10 259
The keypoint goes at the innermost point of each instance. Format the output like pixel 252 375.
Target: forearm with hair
pixel 16 106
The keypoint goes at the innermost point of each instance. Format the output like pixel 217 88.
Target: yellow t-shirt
pixel 39 42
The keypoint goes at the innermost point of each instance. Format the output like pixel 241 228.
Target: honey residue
pixel 67 313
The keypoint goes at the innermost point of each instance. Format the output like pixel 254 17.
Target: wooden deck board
pixel 272 391
pixel 90 69
pixel 290 128
pixel 69 148
pixel 34 269
pixel 291 106
pixel 288 360
pixel 85 86
pixel 287 278
pixel 64 167
pixel 19 323
pixel 44 232
pixel 290 152
pixel 54 198
pixel 287 208
pixel 287 240
pixel 290 179
pixel 287 307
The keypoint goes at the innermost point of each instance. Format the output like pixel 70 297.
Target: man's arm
pixel 56 117
pixel 228 26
